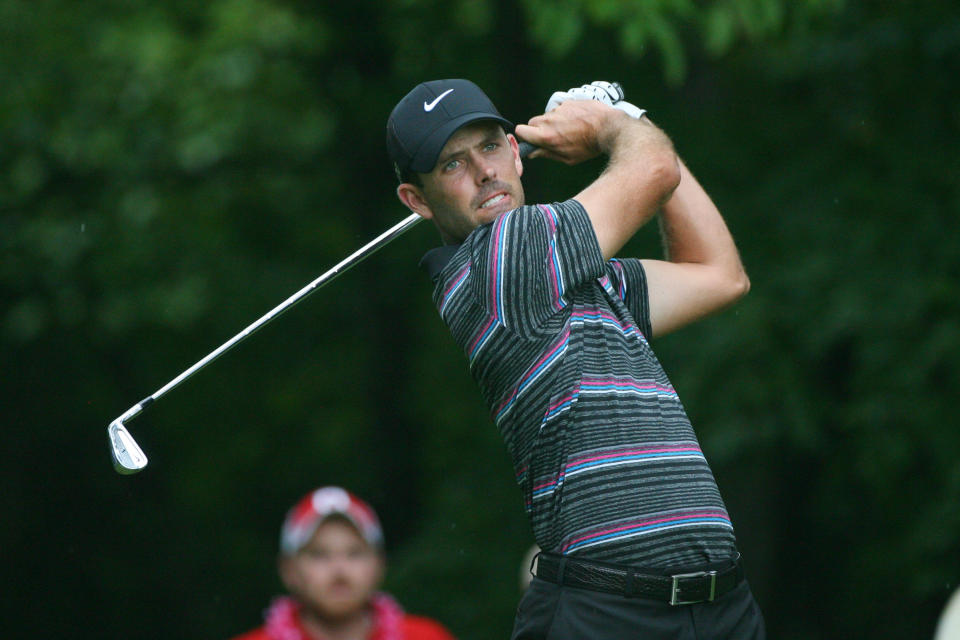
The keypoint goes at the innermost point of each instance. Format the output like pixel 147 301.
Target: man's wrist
pixel 612 129
pixel 618 126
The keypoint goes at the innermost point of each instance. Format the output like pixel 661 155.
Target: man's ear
pixel 518 162
pixel 288 573
pixel 412 197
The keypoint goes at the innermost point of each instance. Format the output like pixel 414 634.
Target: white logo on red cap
pixel 330 500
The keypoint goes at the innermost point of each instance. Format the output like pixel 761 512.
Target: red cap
pixel 318 505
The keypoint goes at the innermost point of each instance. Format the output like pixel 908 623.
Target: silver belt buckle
pixel 675 586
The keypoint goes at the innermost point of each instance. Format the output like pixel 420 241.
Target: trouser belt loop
pixel 561 567
pixel 534 561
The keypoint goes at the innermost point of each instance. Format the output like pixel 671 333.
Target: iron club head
pixel 128 457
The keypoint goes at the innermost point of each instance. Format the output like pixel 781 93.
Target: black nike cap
pixel 425 118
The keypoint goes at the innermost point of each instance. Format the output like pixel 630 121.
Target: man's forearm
pixel 694 231
pixel 703 272
pixel 633 140
pixel 641 174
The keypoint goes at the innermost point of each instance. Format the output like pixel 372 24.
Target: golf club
pixel 129 458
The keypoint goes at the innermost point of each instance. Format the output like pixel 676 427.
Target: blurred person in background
pixel 332 563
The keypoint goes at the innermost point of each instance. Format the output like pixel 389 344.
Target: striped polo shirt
pixel 607 460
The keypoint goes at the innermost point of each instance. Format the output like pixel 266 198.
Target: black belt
pixel 680 588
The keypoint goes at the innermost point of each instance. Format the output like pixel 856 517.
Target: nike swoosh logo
pixel 428 106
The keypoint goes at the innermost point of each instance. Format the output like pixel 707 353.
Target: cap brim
pixel 426 157
pixel 293 544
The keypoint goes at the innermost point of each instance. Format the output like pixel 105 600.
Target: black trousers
pixel 552 612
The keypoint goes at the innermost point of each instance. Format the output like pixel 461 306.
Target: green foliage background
pixel 173 170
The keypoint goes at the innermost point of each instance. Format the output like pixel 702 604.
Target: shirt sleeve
pixel 629 280
pixel 530 258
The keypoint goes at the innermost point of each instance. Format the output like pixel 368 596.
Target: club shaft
pixel 341 267
pixel 129 458
pixel 352 260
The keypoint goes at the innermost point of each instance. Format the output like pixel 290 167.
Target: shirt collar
pixel 436 259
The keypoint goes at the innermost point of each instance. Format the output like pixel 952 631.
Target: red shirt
pixel 390 622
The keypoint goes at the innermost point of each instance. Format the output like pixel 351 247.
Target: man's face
pixel 476 178
pixel 336 573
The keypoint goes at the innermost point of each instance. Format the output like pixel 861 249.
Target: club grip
pixel 526 149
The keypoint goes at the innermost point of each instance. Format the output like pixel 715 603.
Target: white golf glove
pixel 610 93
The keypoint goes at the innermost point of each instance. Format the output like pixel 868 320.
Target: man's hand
pixel 573 131
pixel 609 93
pixel 641 173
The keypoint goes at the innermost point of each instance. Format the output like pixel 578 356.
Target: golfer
pixel 636 540
pixel 331 561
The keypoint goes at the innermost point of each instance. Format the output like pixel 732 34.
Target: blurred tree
pixel 173 170
pixel 664 26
